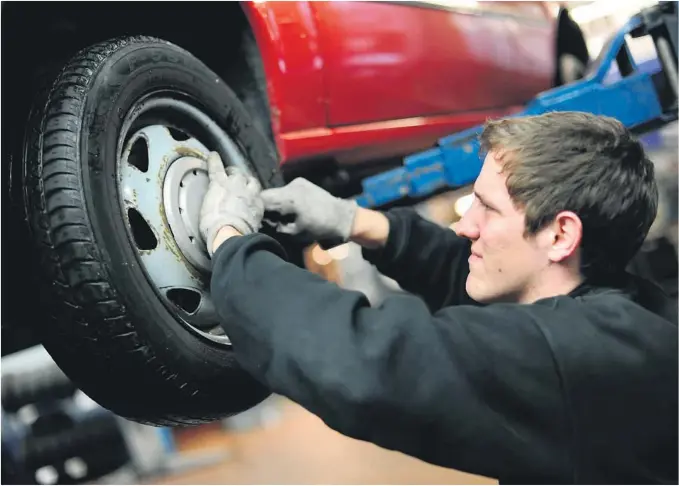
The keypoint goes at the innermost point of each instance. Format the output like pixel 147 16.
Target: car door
pixel 387 61
pixel 532 33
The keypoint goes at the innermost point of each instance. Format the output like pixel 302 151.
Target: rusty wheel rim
pixel 162 178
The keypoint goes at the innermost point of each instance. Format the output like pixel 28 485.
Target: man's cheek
pixel 491 265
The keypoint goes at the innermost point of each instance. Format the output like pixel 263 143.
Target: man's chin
pixel 479 293
pixel 475 290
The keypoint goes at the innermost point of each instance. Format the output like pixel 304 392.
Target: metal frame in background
pixel 643 100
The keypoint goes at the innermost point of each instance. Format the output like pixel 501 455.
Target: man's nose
pixel 466 227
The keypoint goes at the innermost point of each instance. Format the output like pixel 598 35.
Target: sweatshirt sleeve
pixel 424 258
pixel 468 387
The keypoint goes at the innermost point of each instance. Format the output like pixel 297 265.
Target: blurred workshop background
pixel 52 433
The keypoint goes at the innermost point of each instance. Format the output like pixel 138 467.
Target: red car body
pixel 365 80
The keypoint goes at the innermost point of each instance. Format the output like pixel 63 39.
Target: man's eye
pixel 481 203
pixel 489 208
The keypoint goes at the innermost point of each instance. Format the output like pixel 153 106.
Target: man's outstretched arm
pixel 422 257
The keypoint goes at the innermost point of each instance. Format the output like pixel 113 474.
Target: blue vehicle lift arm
pixel 642 99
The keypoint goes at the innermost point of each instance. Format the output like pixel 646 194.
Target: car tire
pixel 91 437
pixel 34 387
pixel 112 329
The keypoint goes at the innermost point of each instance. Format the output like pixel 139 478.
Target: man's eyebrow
pixel 486 202
pixel 480 198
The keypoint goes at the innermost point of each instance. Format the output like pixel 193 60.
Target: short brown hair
pixel 584 163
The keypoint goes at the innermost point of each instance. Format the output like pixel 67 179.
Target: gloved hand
pixel 317 212
pixel 232 199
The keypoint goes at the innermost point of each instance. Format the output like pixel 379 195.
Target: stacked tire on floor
pixel 59 442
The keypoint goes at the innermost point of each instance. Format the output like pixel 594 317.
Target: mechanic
pixel 523 351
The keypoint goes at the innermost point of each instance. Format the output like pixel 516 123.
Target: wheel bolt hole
pixel 177 134
pixel 192 239
pixel 139 155
pixel 141 231
pixel 181 184
pixel 186 299
pixel 195 172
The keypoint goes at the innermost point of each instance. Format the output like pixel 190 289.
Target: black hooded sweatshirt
pixel 577 388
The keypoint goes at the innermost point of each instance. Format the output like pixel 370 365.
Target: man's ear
pixel 565 235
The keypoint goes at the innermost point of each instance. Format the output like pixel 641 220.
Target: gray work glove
pixel 317 213
pixel 232 199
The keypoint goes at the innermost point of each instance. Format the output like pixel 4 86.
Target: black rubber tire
pixel 110 333
pixel 92 437
pixel 36 386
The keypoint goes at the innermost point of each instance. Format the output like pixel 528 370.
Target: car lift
pixel 642 101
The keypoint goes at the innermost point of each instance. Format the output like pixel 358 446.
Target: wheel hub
pixel 184 188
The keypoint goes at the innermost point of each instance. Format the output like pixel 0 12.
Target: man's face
pixel 505 265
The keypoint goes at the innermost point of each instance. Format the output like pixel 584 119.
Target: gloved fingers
pixel 207 223
pixel 253 185
pixel 211 200
pixel 288 228
pixel 240 176
pixel 270 222
pixel 233 170
pixel 258 206
pixel 237 178
pixel 275 193
pixel 301 183
pixel 215 168
pixel 281 206
pixel 277 199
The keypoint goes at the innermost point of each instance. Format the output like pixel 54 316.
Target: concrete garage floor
pixel 296 447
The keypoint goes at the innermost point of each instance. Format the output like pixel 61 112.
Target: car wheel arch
pixel 69 29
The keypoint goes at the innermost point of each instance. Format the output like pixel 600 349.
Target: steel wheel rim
pixel 165 197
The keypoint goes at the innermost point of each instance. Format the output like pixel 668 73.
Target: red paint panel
pixel 533 42
pixel 385 61
pixel 287 37
pixel 370 141
pixel 361 80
